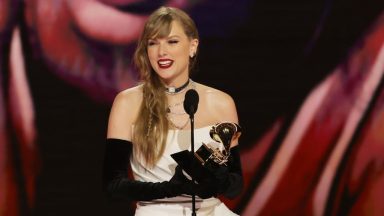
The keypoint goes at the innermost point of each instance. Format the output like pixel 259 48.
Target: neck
pixel 175 90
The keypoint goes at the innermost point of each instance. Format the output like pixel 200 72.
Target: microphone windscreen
pixel 191 101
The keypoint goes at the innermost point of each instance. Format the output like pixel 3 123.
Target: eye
pixel 173 41
pixel 151 42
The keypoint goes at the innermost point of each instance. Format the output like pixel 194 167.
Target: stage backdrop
pixel 307 78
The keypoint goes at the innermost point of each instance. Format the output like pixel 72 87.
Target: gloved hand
pixel 220 175
pixel 214 179
pixel 204 189
pixel 228 179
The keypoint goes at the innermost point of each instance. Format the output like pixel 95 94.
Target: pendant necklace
pixel 177 110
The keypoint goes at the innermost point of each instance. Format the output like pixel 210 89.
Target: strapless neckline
pixel 200 128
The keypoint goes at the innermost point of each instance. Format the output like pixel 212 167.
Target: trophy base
pixel 192 165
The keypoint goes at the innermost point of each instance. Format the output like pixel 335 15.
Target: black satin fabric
pixel 117 185
pixel 226 180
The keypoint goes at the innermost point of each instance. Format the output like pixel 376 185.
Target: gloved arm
pixel 228 180
pixel 117 186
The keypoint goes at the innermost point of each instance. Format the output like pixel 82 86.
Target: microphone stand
pixel 191 116
pixel 190 106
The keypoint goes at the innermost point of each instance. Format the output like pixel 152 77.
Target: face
pixel 169 56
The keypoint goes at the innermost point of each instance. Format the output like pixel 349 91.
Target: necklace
pixel 174 90
pixel 176 116
pixel 175 113
pixel 177 126
pixel 175 109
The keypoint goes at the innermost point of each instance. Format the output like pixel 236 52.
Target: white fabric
pixel 177 140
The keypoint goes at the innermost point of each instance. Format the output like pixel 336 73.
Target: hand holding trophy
pixel 214 153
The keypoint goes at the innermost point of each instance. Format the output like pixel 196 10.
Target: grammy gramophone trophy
pixel 215 152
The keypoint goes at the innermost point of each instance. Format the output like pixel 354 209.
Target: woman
pixel 148 123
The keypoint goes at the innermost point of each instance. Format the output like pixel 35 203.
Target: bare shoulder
pixel 124 111
pixel 220 104
pixel 129 97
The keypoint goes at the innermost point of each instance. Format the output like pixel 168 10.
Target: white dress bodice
pixel 164 169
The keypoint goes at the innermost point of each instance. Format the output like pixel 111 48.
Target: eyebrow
pixel 173 36
pixel 170 36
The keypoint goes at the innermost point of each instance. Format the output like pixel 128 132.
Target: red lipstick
pixel 165 63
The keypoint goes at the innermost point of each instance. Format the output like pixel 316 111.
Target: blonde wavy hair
pixel 151 126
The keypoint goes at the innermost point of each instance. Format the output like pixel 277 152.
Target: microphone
pixel 191 102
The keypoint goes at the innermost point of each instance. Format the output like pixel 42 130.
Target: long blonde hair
pixel 151 126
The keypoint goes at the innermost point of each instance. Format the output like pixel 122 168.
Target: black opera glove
pixel 117 186
pixel 228 180
pixel 202 189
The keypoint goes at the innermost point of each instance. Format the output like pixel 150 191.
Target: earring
pixel 192 55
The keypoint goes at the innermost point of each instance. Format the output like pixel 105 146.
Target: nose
pixel 162 50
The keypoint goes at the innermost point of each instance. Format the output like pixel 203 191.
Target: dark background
pixel 268 57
